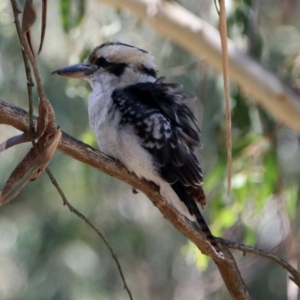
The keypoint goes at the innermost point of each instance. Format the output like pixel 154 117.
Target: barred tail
pixel 205 229
pixel 189 200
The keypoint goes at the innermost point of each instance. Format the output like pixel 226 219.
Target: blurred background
pixel 46 252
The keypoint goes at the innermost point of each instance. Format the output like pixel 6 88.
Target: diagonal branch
pixel 17 117
pixel 201 39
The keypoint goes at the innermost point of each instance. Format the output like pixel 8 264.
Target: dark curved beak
pixel 76 71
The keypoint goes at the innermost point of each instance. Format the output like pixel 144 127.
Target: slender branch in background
pixel 266 254
pixel 99 233
pixel 203 40
pixel 223 35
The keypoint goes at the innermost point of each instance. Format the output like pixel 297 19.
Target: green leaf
pixel 72 13
pixel 65 8
pixel 80 13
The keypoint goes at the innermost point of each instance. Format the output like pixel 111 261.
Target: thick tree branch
pixel 18 118
pixel 201 39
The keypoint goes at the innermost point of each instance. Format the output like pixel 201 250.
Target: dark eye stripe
pixel 102 62
pixel 148 71
pixel 119 68
pixel 113 68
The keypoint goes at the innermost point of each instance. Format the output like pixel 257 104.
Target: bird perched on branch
pixel 145 123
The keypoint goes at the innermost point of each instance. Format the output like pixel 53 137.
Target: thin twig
pixel 46 120
pixel 43 25
pixel 86 220
pixel 223 34
pixel 15 140
pixel 266 254
pixel 32 60
pixel 30 84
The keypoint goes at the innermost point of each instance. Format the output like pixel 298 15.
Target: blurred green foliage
pixel 72 13
pixel 48 253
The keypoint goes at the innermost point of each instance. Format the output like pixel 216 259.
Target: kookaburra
pixel 145 124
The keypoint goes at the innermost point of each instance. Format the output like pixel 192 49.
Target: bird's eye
pixel 102 62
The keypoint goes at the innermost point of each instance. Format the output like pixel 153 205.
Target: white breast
pixel 118 142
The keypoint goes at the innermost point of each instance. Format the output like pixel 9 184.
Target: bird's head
pixel 115 61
